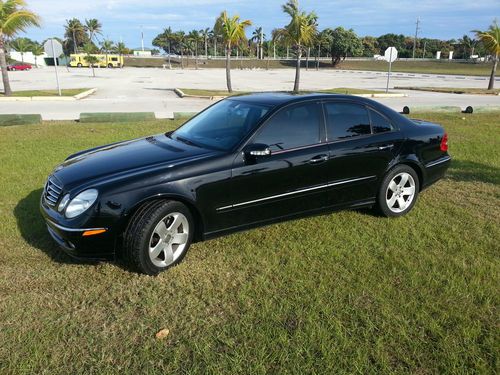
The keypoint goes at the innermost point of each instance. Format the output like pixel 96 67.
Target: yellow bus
pixel 77 60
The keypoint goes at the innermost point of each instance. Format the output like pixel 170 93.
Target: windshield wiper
pixel 187 141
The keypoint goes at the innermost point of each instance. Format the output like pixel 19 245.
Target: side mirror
pixel 257 149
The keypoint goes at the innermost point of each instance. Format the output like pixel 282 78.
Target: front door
pixel 289 181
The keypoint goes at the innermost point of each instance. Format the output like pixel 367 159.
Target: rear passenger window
pixel 379 123
pixel 346 120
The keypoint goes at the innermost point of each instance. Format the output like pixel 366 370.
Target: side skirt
pixel 328 209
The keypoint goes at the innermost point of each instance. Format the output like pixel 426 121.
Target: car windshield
pixel 222 126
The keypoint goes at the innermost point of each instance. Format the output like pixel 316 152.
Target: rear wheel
pixel 110 65
pixel 398 192
pixel 79 65
pixel 158 236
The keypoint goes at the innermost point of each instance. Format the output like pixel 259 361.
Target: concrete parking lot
pixel 150 89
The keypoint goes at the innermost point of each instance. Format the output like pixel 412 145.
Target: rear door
pixel 362 145
pixel 292 179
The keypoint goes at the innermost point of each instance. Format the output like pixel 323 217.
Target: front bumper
pixel 71 239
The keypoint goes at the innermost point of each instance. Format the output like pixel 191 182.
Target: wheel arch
pixel 417 167
pixel 198 218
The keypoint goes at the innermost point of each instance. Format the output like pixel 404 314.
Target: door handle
pixel 318 159
pixel 385 147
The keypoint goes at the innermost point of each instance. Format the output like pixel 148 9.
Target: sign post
pixel 53 48
pixel 390 55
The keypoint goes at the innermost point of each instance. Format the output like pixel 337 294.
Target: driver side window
pixel 294 126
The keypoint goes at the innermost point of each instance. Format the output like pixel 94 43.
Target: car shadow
pixel 34 231
pixel 465 170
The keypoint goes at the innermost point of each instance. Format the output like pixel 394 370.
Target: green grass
pixel 430 67
pixel 454 90
pixel 29 93
pixel 341 293
pixel 338 90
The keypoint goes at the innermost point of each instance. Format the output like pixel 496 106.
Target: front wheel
pixel 398 192
pixel 79 65
pixel 158 236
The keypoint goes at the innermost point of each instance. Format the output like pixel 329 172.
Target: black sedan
pixel 244 162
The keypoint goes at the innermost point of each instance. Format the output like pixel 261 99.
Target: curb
pixel 82 95
pixel 116 116
pixel 181 93
pixel 18 119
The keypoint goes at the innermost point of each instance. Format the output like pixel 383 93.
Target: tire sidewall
pixel 382 203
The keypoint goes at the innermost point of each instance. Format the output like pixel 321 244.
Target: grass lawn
pixel 431 67
pixel 348 292
pixel 29 93
pixel 454 90
pixel 338 90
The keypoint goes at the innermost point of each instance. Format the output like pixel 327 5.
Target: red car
pixel 19 67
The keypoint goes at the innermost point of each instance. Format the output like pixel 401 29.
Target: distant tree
pixel 300 33
pixel 37 50
pixel 107 46
pixel 121 50
pixel 370 46
pixel 345 43
pixel 75 31
pixel 258 37
pixel 392 40
pixel 90 49
pixel 14 18
pixel 467 45
pixel 194 38
pixel 491 41
pixel 205 34
pixel 21 45
pixel 93 27
pixel 232 31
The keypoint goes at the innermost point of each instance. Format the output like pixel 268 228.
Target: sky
pixel 124 19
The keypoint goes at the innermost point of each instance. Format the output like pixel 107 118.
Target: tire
pixel 79 65
pixel 110 65
pixel 158 236
pixel 398 191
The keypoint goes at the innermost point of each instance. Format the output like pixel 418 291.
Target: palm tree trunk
pixel 206 48
pixel 228 69
pixel 297 71
pixel 5 74
pixel 74 42
pixel 491 84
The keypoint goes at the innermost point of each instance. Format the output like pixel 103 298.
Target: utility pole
pixel 417 28
pixel 142 39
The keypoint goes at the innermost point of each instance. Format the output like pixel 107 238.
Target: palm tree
pixel 93 27
pixel 299 33
pixel 74 30
pixel 258 37
pixel 194 39
pixel 37 50
pixel 491 41
pixel 121 50
pixel 14 18
pixel 205 34
pixel 89 49
pixel 106 47
pixel 21 45
pixel 232 31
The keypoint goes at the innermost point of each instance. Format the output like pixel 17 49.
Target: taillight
pixel 444 143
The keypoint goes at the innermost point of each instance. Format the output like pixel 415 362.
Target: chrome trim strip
pixel 335 183
pixel 439 161
pixel 66 229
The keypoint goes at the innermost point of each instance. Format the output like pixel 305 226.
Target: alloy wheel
pixel 400 192
pixel 169 239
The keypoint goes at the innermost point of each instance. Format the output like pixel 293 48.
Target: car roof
pixel 280 98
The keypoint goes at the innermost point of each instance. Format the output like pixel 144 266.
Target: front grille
pixel 52 192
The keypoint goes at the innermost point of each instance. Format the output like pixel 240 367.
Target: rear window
pixel 346 120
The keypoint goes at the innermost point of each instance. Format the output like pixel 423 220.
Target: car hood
pixel 125 158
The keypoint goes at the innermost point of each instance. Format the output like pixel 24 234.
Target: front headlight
pixel 81 203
